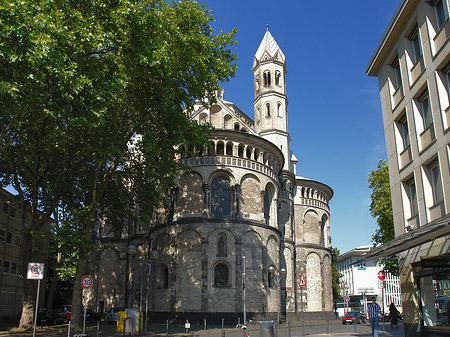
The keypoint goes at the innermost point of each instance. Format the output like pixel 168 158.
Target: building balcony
pixel 427 137
pixel 441 37
pixel 405 157
pixel 397 97
pixel 437 211
pixel 417 70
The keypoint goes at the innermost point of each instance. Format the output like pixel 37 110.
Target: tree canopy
pixel 95 98
pixel 381 210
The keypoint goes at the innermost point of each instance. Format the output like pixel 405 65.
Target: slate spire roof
pixel 269 45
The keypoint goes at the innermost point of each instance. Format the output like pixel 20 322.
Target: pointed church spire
pixel 269 45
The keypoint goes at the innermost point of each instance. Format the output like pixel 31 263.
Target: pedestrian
pixel 373 315
pixel 246 334
pixel 393 315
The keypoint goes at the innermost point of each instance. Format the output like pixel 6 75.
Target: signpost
pixel 86 283
pixel 381 276
pixel 302 284
pixel 35 271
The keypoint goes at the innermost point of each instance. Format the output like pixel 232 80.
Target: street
pixel 254 331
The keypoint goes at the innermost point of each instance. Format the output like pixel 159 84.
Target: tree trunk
pixel 51 291
pixel 29 286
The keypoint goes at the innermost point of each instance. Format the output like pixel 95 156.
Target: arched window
pixel 220 198
pixel 164 276
pixel 221 275
pixel 267 204
pixel 220 148
pixel 221 244
pixel 277 78
pixel 236 126
pixel 269 279
pixel 267 77
pixel 229 149
pixel 279 111
pixel 267 109
pixel 241 151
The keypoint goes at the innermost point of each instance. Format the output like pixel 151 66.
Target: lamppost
pixel 243 290
pixel 277 275
pixel 154 255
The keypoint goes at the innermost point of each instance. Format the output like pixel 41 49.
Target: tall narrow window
pixel 436 186
pixel 221 244
pixel 220 198
pixel 414 37
pixel 279 110
pixel 277 78
pixel 164 276
pixel 441 14
pixel 425 111
pixel 404 132
pixel 267 77
pixel 267 109
pixel 397 73
pixel 411 192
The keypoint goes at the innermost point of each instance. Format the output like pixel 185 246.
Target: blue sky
pixel 334 109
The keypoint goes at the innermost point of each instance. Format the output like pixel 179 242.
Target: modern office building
pixel 412 64
pixel 242 227
pixel 360 282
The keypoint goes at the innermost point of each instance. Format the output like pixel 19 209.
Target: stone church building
pixel 238 211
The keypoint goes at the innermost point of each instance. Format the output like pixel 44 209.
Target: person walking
pixel 373 315
pixel 393 315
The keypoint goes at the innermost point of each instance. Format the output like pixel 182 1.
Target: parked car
pixel 51 317
pixel 111 316
pixel 92 316
pixel 353 317
pixel 67 309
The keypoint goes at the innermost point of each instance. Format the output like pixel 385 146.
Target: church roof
pixel 269 44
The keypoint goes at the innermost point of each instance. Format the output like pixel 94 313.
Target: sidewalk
pixel 106 330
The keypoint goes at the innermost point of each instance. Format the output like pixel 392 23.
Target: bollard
pixel 204 322
pixel 68 329
pixel 167 327
pixel 223 331
pixel 289 328
pixel 354 324
pixel 328 327
pixel 187 326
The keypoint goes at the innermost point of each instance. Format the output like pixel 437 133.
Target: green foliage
pixel 381 210
pixel 95 99
pixel 336 275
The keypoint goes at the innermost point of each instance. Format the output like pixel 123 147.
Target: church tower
pixel 270 103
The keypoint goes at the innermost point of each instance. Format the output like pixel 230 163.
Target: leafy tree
pixel 95 100
pixel 381 210
pixel 336 275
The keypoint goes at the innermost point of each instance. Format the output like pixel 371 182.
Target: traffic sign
pixel 347 298
pixel 35 271
pixel 302 280
pixel 86 282
pixel 380 284
pixel 381 275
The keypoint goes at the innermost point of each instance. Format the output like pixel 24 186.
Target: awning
pixel 416 237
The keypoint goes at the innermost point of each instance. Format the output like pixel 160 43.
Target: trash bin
pixel 129 325
pixel 121 315
pixel 266 329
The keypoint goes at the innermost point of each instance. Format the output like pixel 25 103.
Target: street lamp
pixel 153 255
pixel 277 275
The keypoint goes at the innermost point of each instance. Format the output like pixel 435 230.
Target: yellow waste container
pixel 141 318
pixel 121 315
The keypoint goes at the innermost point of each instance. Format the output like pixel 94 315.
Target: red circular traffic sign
pixel 35 269
pixel 381 275
pixel 86 282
